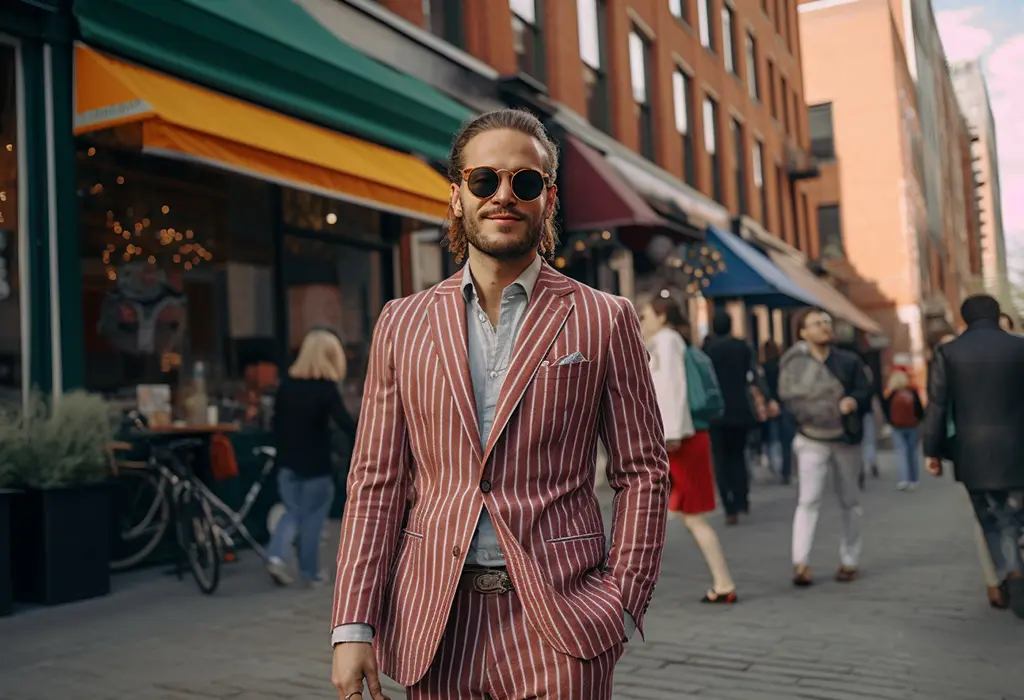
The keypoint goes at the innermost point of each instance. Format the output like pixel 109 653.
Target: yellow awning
pixel 181 120
pixel 831 298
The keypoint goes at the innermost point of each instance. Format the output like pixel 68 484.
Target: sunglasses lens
pixel 482 182
pixel 527 185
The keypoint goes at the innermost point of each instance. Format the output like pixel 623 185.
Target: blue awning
pixel 750 275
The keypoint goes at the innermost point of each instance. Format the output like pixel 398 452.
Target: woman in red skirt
pixel 689 449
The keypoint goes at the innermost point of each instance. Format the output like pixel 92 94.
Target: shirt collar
pixel 526 281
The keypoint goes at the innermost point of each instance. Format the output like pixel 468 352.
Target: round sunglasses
pixel 527 184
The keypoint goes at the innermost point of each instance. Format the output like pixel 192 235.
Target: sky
pixel 993 30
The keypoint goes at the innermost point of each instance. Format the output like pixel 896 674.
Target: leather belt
pixel 487 581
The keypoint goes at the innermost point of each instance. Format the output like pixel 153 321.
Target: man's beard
pixel 506 247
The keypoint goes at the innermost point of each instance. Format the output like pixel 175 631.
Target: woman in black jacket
pixel 307 402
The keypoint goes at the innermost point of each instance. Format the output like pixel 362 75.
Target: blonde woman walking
pixel 904 411
pixel 689 449
pixel 307 402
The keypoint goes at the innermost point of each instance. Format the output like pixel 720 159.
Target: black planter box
pixel 60 549
pixel 6 593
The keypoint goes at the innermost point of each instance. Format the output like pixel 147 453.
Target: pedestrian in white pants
pixel 826 390
pixel 814 461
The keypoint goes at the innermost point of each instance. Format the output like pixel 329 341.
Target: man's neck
pixel 819 352
pixel 491 276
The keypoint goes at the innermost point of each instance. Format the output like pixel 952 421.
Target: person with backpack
pixel 689 398
pixel 904 411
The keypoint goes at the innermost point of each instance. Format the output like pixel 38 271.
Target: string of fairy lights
pixel 133 236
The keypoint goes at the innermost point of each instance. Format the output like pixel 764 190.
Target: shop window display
pixel 179 274
pixel 175 261
pixel 11 332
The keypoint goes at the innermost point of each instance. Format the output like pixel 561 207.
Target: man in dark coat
pixel 737 369
pixel 979 380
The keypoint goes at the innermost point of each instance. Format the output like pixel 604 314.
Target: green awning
pixel 273 53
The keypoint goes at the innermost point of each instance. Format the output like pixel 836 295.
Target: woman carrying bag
pixel 689 445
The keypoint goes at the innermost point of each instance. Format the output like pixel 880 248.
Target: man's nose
pixel 504 196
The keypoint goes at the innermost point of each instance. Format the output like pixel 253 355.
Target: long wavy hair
pixel 515 120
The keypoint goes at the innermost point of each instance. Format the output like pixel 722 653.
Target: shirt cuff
pixel 629 623
pixel 352 632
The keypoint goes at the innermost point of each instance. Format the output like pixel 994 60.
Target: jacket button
pixel 456 551
pixel 485 486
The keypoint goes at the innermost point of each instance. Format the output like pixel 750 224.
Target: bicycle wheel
pixel 198 538
pixel 143 514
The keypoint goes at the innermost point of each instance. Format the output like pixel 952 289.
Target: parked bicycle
pixel 164 489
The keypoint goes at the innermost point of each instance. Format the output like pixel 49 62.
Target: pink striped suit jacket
pixel 418 452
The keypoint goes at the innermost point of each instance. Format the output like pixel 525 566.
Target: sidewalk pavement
pixel 917 626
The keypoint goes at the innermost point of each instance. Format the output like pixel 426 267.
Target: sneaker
pixel 278 571
pixel 903 485
pixel 912 486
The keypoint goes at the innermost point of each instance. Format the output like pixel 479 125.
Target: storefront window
pixel 340 287
pixel 177 270
pixel 10 282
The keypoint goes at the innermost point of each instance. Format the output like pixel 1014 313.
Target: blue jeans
pixel 905 441
pixel 781 432
pixel 1001 516
pixel 307 502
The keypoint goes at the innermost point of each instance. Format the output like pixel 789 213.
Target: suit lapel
pixel 547 313
pixel 448 329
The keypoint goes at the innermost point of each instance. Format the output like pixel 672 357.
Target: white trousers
pixel 815 460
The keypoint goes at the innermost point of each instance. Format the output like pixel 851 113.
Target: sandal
pixel 997 597
pixel 846 574
pixel 720 598
pixel 802 576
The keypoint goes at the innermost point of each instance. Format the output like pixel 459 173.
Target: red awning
pixel 597 198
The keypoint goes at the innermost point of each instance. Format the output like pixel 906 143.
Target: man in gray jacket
pixel 826 390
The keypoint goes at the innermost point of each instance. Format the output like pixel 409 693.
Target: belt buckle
pixel 492 582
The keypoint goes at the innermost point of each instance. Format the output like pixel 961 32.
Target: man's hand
pixel 934 466
pixel 354 661
pixel 673 445
pixel 848 405
pixel 773 409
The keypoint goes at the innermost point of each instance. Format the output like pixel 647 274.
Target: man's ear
pixel 552 202
pixel 456 199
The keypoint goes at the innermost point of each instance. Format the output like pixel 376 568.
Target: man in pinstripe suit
pixel 473 560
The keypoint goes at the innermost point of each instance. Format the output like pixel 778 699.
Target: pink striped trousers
pixel 489 652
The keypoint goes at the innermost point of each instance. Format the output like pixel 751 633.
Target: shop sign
pixel 5 264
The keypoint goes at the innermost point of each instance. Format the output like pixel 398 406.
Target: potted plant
pixel 61 520
pixel 7 443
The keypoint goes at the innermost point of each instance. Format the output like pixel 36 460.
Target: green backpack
pixel 705 396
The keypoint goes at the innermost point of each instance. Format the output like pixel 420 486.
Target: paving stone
pixel 916 626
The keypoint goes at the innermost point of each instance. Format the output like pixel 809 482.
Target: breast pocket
pixel 563 395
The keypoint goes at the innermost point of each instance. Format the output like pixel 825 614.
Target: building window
pixel 764 6
pixel 780 201
pixel 529 38
pixel 444 19
pixel 796 116
pixel 591 22
pixel 805 231
pixel 822 135
pixel 711 146
pixel 830 233
pixel 677 8
pixel 704 24
pixel 739 150
pixel 784 95
pixel 757 158
pixel 728 45
pixel 752 77
pixel 683 102
pixel 12 381
pixel 783 21
pixel 773 106
pixel 639 74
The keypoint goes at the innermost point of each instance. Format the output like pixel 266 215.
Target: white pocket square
pixel 573 359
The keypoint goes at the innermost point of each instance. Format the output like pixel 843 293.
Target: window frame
pixel 827 152
pixel 599 108
pixel 739 149
pixel 710 115
pixel 728 17
pixel 682 84
pixel 758 174
pixel 536 30
pixel 705 32
pixel 753 74
pixel 645 108
pixel 823 232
